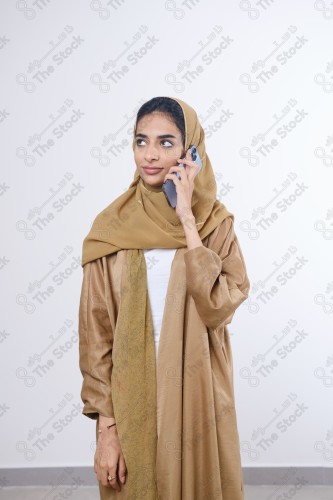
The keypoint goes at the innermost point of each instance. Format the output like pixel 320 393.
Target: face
pixel 158 144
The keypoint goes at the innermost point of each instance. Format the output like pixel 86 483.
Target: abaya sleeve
pixel 95 343
pixel 216 276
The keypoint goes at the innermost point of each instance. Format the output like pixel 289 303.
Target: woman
pixel 159 380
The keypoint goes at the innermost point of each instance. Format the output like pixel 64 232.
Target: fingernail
pixel 122 479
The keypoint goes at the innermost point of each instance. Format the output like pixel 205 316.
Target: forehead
pixel 157 122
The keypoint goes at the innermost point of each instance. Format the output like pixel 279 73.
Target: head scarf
pixel 141 218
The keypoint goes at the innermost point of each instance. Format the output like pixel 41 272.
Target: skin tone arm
pixel 109 458
pixel 184 188
pixel 104 421
pixel 191 233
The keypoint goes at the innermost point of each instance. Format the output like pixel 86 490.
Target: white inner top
pixel 158 263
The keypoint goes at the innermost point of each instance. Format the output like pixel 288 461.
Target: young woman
pixel 160 285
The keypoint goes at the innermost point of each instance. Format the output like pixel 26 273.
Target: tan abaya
pixel 198 451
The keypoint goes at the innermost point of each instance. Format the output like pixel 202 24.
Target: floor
pixel 251 493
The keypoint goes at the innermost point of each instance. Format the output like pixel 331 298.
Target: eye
pixel 162 142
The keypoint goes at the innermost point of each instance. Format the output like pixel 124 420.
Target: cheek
pixel 170 158
pixel 137 157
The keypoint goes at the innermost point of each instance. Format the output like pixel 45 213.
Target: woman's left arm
pixel 217 281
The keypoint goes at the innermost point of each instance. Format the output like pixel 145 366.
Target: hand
pixel 109 459
pixel 184 186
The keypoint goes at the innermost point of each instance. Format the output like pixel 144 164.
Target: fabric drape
pixel 159 408
pixel 141 217
pixel 198 450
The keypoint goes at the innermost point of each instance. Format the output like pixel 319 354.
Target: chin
pixel 155 184
pixel 150 182
pixel 149 179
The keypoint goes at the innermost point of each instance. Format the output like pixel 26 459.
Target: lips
pixel 151 170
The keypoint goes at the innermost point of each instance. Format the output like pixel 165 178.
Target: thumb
pixel 122 469
pixel 188 154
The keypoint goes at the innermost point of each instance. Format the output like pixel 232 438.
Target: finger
pixel 188 155
pixel 176 168
pixel 105 470
pixel 172 177
pixel 181 170
pixel 193 172
pixel 190 167
pixel 122 469
pixel 114 481
pixel 187 161
pixel 97 469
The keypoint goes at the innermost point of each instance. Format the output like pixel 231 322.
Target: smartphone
pixel 169 187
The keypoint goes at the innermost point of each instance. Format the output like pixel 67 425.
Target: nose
pixel 151 153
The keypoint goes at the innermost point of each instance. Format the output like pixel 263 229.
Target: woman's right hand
pixel 109 459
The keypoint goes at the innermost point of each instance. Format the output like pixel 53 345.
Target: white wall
pixel 274 151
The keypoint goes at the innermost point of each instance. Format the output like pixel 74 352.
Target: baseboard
pixel 85 476
pixel 288 475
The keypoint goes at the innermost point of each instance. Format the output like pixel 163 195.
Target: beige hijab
pixel 141 218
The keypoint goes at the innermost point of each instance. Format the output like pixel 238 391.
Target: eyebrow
pixel 163 136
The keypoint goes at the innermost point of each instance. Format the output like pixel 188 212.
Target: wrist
pixel 187 219
pixel 105 422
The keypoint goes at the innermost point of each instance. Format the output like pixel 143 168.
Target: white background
pixel 273 77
